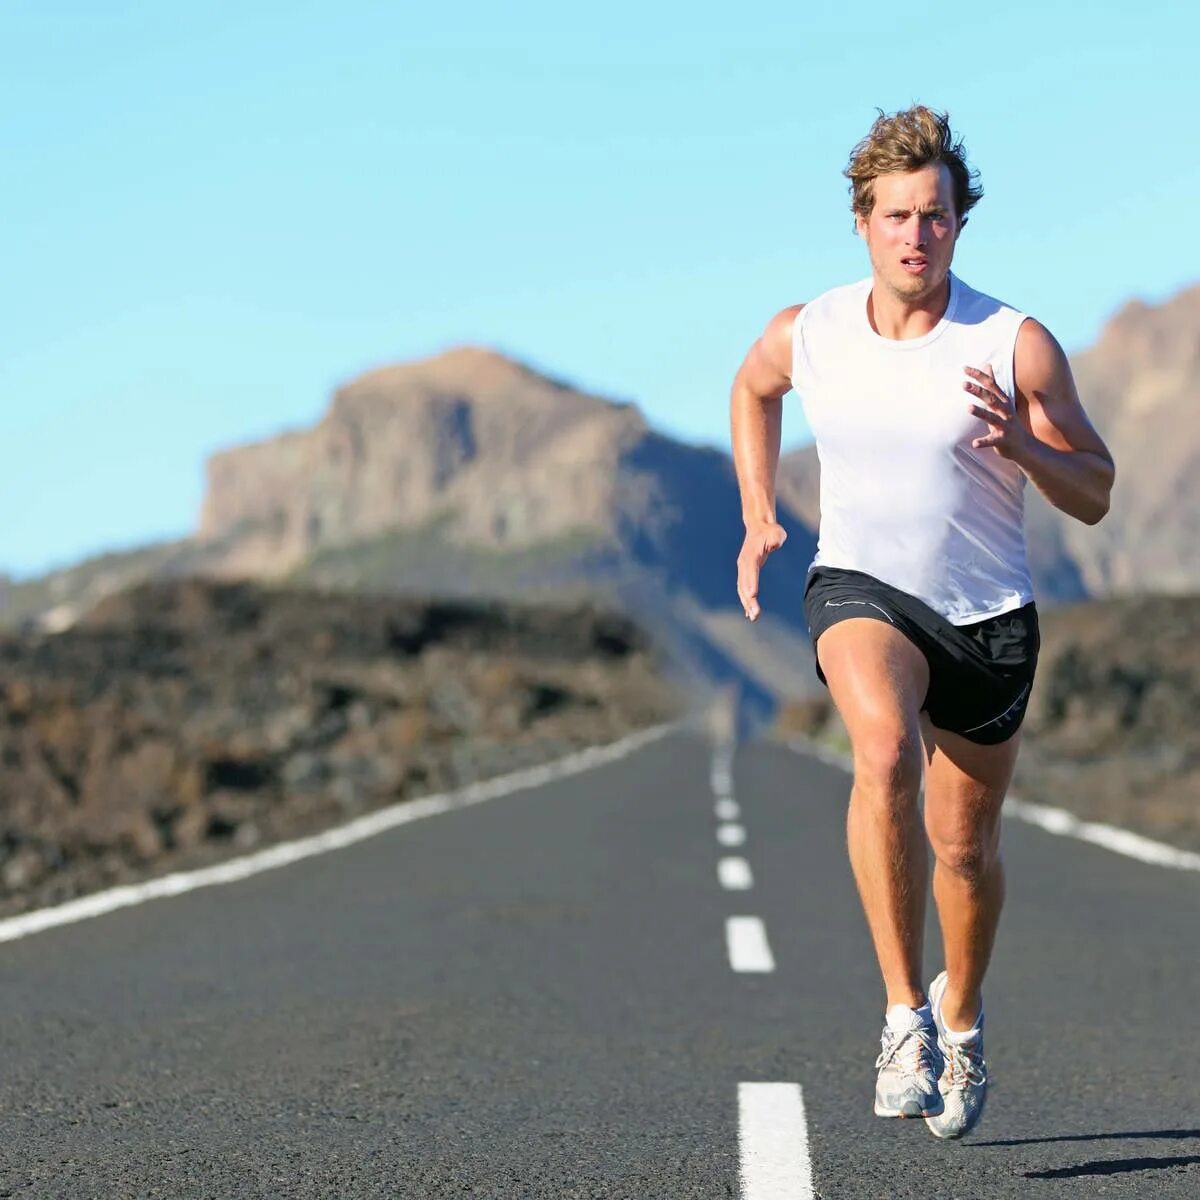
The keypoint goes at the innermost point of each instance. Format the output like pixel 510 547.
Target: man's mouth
pixel 915 263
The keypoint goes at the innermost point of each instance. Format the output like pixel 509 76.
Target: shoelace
pixel 964 1061
pixel 921 1045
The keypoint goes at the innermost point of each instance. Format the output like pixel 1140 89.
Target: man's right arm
pixel 756 418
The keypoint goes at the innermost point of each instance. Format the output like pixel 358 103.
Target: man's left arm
pixel 1051 438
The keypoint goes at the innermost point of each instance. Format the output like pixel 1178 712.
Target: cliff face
pixel 500 456
pixel 1140 385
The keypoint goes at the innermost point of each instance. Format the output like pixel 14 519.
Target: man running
pixel 931 403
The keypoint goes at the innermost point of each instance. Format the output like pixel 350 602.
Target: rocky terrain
pixel 182 721
pixel 1111 733
pixel 469 474
pixel 472 474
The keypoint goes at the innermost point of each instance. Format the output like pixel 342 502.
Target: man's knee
pixel 887 762
pixel 970 856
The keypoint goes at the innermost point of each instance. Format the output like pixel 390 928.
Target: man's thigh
pixel 877 677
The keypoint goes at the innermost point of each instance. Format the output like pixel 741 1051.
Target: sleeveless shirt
pixel 904 496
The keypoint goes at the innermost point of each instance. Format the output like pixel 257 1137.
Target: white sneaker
pixel 909 1064
pixel 963 1084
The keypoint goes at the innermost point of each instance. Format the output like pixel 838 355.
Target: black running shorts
pixel 980 675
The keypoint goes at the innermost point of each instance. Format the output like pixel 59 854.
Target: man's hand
pixel 761 538
pixel 1008 437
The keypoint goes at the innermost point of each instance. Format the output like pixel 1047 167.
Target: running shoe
pixel 964 1081
pixel 909 1064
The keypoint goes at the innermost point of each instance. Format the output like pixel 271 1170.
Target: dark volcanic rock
pixel 1112 732
pixel 180 721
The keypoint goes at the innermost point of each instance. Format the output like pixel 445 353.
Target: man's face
pixel 911 231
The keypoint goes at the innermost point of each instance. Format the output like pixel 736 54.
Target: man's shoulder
pixel 974 303
pixel 836 301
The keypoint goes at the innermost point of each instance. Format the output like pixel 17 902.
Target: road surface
pixel 546 995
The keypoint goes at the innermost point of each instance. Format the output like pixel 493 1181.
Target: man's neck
pixel 899 319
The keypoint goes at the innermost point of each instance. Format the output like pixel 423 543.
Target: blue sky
pixel 215 213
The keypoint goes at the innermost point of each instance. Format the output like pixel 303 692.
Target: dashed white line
pixel 734 874
pixel 773 1142
pixel 730 834
pixel 357 830
pixel 727 810
pixel 746 941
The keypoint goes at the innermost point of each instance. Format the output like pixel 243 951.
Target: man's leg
pixel 965 785
pixel 878 680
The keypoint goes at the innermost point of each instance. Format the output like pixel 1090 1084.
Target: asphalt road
pixel 533 998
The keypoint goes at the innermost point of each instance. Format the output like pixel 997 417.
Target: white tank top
pixel 904 497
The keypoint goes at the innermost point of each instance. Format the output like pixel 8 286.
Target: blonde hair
pixel 907 141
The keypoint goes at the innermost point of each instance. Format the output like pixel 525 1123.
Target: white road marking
pixel 734 874
pixel 1120 841
pixel 727 810
pixel 730 834
pixel 773 1142
pixel 1056 821
pixel 746 941
pixel 357 830
pixel 721 775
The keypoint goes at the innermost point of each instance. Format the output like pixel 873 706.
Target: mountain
pixel 1140 384
pixel 472 473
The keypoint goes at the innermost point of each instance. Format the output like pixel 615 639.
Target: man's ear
pixel 860 225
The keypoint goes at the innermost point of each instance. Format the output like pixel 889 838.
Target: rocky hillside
pixel 1111 732
pixel 181 721
pixel 499 455
pixel 469 473
pixel 1112 722
pixel 1141 386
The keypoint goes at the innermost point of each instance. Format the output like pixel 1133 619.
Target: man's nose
pixel 918 231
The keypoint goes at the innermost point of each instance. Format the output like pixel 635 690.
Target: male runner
pixel 931 404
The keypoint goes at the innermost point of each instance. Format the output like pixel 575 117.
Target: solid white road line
pixel 734 874
pixel 727 810
pixel 1056 821
pixel 1120 841
pixel 773 1142
pixel 730 834
pixel 746 941
pixel 357 830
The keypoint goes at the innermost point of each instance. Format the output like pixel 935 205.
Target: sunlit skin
pixel 911 233
pixel 914 217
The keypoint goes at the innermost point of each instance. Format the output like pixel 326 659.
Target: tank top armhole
pixel 800 375
pixel 1009 362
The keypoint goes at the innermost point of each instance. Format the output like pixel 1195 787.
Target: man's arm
pixel 756 418
pixel 1052 440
